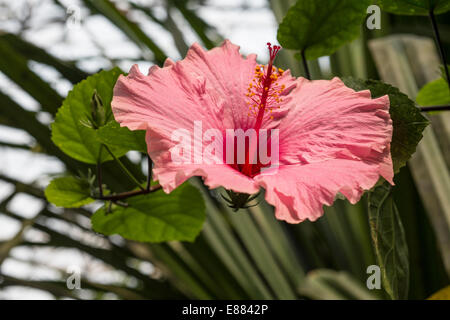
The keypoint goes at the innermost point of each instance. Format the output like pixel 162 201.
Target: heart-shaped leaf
pixel 68 192
pixel 320 27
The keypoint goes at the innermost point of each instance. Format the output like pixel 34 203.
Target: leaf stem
pixel 305 65
pixel 122 166
pixel 128 194
pixel 99 179
pixel 440 46
pixel 99 173
pixel 149 173
pixel 434 108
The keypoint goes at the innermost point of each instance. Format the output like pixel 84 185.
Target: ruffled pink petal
pixel 227 75
pixel 328 120
pixel 214 176
pixel 298 192
pixel 207 86
pixel 333 140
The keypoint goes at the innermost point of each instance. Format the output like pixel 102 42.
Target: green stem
pixel 440 46
pixel 149 173
pixel 128 173
pixel 99 179
pixel 305 65
pixel 99 173
pixel 434 108
pixel 129 194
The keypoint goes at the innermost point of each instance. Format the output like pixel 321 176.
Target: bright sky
pixel 251 28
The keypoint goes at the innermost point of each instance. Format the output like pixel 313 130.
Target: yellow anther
pixel 258 86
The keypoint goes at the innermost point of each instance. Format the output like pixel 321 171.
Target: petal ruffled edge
pixel 299 192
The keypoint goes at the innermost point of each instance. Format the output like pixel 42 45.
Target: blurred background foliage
pixel 248 255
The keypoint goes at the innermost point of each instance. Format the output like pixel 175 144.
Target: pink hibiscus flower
pixel 330 138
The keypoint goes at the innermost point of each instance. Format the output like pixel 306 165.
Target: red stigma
pixel 273 51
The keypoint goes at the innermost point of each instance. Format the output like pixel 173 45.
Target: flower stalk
pixel 437 37
pixel 124 195
pixel 305 65
pixel 122 166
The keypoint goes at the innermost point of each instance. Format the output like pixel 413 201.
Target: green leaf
pixel 68 192
pixel 443 294
pixel 320 27
pixel 113 135
pixel 155 217
pixel 434 93
pixel 415 7
pixel 389 242
pixel 71 131
pixel 407 120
